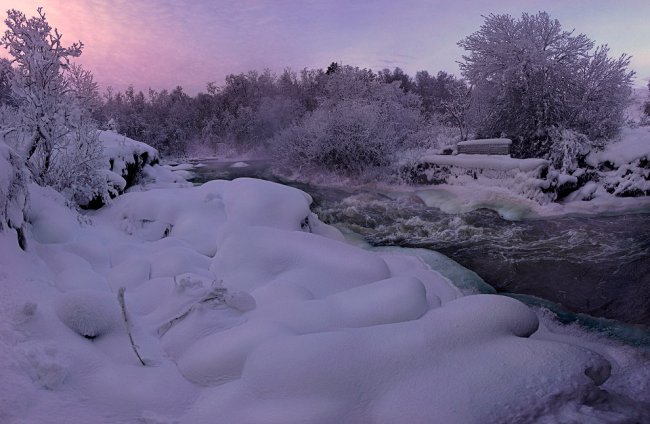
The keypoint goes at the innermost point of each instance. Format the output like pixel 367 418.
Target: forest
pixel 554 93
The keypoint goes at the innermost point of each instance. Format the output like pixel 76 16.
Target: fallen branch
pixel 127 322
pixel 217 295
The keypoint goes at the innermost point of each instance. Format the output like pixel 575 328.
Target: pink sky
pixel 164 43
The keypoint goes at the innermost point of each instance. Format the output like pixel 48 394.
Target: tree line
pixel 552 91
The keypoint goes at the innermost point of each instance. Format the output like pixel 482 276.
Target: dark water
pixel 597 265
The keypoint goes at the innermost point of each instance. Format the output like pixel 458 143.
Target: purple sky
pixel 164 43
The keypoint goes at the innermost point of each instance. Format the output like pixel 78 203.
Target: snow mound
pixel 122 151
pixel 88 313
pixel 126 161
pixel 52 221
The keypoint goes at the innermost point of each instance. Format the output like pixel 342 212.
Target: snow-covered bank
pixel 247 309
pixel 519 188
pixel 625 164
pixel 126 159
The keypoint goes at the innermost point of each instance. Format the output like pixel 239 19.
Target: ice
pixel 494 162
pixel 461 199
pixel 465 280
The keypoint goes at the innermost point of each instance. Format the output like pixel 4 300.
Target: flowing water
pixel 595 265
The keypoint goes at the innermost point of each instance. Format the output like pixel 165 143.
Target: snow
pixel 127 159
pixel 618 181
pixel 121 148
pixel 630 158
pixel 495 162
pixel 633 144
pixel 515 190
pixel 461 199
pixel 243 313
pixel 454 199
pixel 91 313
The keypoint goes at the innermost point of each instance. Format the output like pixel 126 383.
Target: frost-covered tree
pixel 531 76
pixel 360 123
pixel 6 77
pixel 84 91
pixel 436 91
pixel 39 85
pixel 456 106
pixel 388 77
pixel 54 132
pixel 568 147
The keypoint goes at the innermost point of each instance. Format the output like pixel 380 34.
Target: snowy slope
pixel 247 309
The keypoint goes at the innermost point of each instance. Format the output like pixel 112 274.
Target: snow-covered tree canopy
pixel 39 84
pixel 47 119
pixel 530 75
pixel 361 122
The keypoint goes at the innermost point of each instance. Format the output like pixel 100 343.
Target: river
pixel 593 265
